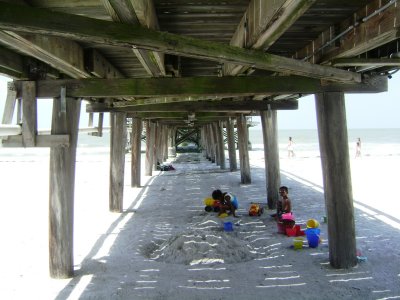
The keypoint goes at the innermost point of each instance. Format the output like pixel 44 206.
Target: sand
pixel 165 246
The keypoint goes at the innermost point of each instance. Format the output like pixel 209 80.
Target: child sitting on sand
pixel 284 205
pixel 228 201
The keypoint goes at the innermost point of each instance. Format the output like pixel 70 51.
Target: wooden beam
pixel 334 146
pixel 181 115
pixel 365 62
pixel 63 55
pixel 201 86
pixel 201 106
pixel 117 161
pixel 271 156
pixel 243 140
pixel 263 23
pixel 99 66
pixel 134 13
pixel 11 63
pixel 369 31
pixel 230 132
pixel 65 120
pixel 44 141
pixel 37 20
pixel 29 113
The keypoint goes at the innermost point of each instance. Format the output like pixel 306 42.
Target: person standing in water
pixel 358 148
pixel 290 148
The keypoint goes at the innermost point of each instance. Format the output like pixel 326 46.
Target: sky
pixel 379 110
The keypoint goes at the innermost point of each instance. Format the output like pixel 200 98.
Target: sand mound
pixel 202 247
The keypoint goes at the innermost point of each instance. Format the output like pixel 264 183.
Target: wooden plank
pixel 200 86
pixel 117 161
pixel 29 113
pixel 203 106
pixel 365 62
pixel 61 54
pixel 333 143
pixel 99 66
pixel 263 23
pixel 143 13
pixel 360 36
pixel 34 20
pixel 53 140
pixel 243 140
pixel 180 115
pixel 271 156
pixel 61 198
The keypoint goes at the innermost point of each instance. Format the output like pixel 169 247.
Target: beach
pixel 166 246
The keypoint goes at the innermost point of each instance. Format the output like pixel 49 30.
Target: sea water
pixel 374 142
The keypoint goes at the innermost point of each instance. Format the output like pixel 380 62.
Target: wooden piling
pixel 136 139
pixel 241 124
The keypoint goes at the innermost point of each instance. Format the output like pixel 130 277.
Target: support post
pixel 171 142
pixel 149 148
pixel 29 113
pixel 62 185
pixel 117 161
pixel 230 130
pixel 271 156
pixel 333 143
pixel 136 151
pixel 9 106
pixel 221 144
pixel 241 124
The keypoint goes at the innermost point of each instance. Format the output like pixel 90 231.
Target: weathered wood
pixel 230 132
pixel 263 23
pixel 11 63
pixel 221 144
pixel 34 20
pixel 99 66
pixel 365 62
pixel 136 139
pixel 29 113
pixel 200 86
pixel 62 54
pixel 202 106
pixel 135 12
pixel 358 35
pixel 211 143
pixel 171 142
pixel 62 182
pixel 243 141
pixel 156 145
pixel 9 105
pixel 52 140
pixel 333 142
pixel 150 137
pixel 117 161
pixel 271 156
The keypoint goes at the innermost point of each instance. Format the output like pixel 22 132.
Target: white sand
pixel 165 246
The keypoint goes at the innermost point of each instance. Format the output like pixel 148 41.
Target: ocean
pixel 375 142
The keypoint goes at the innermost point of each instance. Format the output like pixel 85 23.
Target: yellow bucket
pixel 298 243
pixel 312 223
pixel 209 201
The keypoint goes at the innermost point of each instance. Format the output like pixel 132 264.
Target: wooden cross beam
pixel 42 21
pixel 199 86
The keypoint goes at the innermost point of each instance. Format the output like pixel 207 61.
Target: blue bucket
pixel 313 237
pixel 228 226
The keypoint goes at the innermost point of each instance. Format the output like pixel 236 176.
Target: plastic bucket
pixel 281 227
pixel 298 243
pixel 313 237
pixel 312 223
pixel 291 231
pixel 228 226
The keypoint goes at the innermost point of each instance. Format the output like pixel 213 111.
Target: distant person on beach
pixel 228 201
pixel 358 148
pixel 290 148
